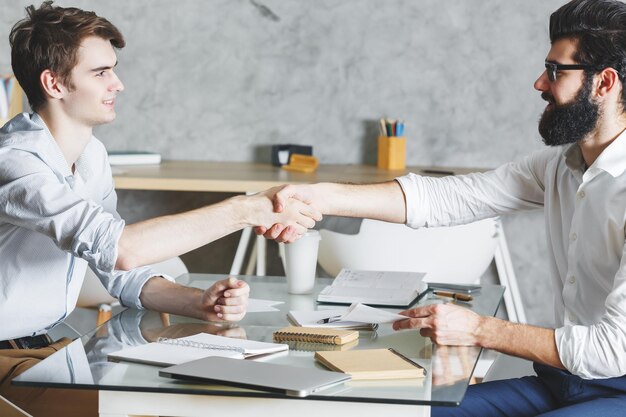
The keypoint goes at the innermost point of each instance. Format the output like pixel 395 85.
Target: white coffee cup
pixel 301 262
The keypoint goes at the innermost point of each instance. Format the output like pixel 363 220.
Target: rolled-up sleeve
pixel 127 285
pixel 33 197
pixel 598 350
pixel 465 198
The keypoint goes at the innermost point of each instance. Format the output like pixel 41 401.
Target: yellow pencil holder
pixel 391 152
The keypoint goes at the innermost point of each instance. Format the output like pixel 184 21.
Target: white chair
pixel 459 254
pixel 456 254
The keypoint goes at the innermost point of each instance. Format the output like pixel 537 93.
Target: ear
pixel 51 84
pixel 608 82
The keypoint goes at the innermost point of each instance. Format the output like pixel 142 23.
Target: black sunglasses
pixel 553 67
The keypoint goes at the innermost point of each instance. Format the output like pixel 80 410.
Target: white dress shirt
pixel 53 224
pixel 585 219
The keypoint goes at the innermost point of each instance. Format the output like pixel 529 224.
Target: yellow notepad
pixel 315 335
pixel 370 364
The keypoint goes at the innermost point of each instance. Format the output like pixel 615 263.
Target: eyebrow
pixel 106 67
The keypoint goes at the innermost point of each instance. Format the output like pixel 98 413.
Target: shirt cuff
pixel 570 347
pixel 415 200
pixel 134 285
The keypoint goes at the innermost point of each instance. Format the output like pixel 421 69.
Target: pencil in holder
pixel 392 152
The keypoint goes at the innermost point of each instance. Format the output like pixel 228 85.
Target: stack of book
pixel 134 158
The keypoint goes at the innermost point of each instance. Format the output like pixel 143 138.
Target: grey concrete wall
pixel 223 80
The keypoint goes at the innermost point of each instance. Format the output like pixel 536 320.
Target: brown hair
pixel 49 38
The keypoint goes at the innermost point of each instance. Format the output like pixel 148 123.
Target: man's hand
pixel 281 197
pixel 226 300
pixel 298 198
pixel 444 324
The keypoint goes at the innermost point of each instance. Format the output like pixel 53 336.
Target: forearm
pixel 164 237
pixel 521 340
pixel 383 201
pixel 161 295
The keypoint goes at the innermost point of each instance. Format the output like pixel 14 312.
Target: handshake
pixel 285 213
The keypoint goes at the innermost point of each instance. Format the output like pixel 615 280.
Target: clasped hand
pixel 226 300
pixel 284 199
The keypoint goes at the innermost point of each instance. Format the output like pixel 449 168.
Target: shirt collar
pixel 53 153
pixel 612 159
pixel 57 159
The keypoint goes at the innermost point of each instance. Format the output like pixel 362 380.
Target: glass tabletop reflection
pixel 84 364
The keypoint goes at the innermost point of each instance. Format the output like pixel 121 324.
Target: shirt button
pixel 581 194
pixel 572 279
pixel 574 236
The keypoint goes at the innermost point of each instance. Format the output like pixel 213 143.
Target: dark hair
pixel 49 38
pixel 599 27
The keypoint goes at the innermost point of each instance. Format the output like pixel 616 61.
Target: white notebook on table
pixel 381 288
pixel 166 352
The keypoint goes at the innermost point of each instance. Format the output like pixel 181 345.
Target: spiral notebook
pixel 318 347
pixel 315 335
pixel 166 352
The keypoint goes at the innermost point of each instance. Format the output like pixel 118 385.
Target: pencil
pixel 455 295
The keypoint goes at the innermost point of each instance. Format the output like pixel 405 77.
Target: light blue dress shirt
pixel 585 215
pixel 53 225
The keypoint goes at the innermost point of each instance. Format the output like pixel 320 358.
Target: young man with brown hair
pixel 580 182
pixel 58 204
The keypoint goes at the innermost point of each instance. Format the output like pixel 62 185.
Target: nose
pixel 116 84
pixel 542 83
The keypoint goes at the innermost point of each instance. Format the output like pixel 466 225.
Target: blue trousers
pixel 552 393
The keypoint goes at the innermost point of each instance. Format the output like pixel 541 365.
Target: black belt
pixel 27 342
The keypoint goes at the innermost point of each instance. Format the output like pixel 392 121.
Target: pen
pixel 437 172
pixel 446 286
pixel 382 127
pixel 389 125
pixel 329 320
pixel 399 128
pixel 395 352
pixel 455 295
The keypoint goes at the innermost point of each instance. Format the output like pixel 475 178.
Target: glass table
pixel 136 389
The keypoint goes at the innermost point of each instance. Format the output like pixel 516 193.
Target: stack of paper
pixel 327 318
pixel 393 289
pixel 358 317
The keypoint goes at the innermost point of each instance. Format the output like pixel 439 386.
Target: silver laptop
pixel 290 380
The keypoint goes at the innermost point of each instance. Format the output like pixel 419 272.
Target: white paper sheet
pixel 365 314
pixel 257 305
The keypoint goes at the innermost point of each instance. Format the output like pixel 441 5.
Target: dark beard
pixel 570 122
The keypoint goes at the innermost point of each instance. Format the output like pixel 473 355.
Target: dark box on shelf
pixel 281 154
